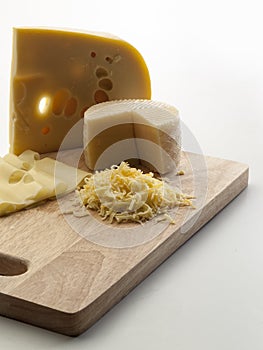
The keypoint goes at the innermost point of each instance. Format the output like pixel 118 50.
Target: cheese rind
pixel 56 75
pixel 143 129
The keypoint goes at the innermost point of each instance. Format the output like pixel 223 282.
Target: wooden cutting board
pixel 62 274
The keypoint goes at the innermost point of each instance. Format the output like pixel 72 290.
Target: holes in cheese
pixel 26 180
pixel 45 130
pixel 105 84
pixel 56 74
pixel 29 157
pixel 101 72
pixel 100 96
pixel 147 130
pixel 24 161
pixel 71 107
pixel 43 105
pixel 16 176
pixel 59 101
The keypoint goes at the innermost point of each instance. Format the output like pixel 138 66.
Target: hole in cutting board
pixel 12 266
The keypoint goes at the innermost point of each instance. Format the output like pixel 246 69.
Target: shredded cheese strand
pixel 123 194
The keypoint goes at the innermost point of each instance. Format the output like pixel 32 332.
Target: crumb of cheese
pixel 123 194
pixel 180 172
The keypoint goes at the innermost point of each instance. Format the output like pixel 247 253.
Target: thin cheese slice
pixel 24 161
pixel 14 189
pixel 27 180
pixel 57 74
pixel 147 130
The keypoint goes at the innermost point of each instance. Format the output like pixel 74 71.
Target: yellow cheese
pixel 56 75
pixel 117 131
pixel 123 194
pixel 25 161
pixel 27 179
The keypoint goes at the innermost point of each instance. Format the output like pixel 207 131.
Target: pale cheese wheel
pixel 122 130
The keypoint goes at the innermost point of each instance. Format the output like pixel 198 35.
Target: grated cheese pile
pixel 124 194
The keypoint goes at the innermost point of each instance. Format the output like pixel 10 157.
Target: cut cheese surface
pixel 117 131
pixel 56 75
pixel 27 179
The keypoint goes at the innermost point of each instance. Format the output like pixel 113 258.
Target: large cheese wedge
pixel 118 131
pixel 56 75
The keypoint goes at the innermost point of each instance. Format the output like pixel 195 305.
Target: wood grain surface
pixel 58 272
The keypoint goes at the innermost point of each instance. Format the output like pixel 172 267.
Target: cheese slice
pixel 24 161
pixel 118 131
pixel 27 180
pixel 56 75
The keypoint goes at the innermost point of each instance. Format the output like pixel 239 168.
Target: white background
pixel 206 58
